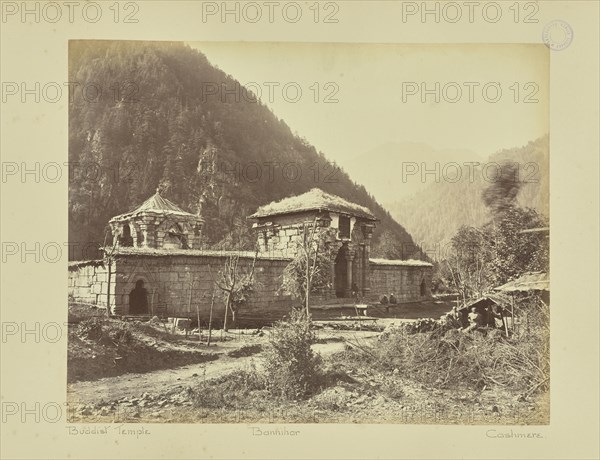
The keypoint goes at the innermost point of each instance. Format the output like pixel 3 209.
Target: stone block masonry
pixel 409 283
pixel 180 283
pixel 88 282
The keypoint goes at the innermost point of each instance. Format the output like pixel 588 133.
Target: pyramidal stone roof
pixel 156 205
pixel 314 200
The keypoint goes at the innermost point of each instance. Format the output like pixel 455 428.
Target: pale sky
pixel 372 85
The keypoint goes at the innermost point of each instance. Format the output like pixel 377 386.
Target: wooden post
pixel 512 312
pixel 212 302
pixel 504 323
pixel 189 308
pixel 198 319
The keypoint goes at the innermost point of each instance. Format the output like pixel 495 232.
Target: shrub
pixel 120 334
pixel 291 367
pixel 246 350
pixel 229 391
pixel 455 359
pixel 102 330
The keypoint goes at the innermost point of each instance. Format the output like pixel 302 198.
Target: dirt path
pixel 161 381
pixel 112 388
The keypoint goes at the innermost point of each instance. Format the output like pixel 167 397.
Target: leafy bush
pixel 291 367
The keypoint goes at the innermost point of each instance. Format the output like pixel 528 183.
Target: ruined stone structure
pixel 157 224
pixel 345 228
pixel 179 283
pixel 158 266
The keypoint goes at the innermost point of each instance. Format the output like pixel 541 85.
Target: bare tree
pixel 236 285
pixel 310 270
pixel 109 257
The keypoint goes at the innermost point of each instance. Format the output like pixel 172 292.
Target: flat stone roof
pixel 151 252
pixel 401 263
pixel 314 200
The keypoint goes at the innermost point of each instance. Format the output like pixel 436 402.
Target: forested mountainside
pixel 433 215
pixel 143 116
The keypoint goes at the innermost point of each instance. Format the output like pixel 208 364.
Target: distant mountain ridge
pixel 153 125
pixel 434 214
pixel 393 170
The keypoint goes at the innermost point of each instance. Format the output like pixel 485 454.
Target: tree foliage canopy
pixel 483 257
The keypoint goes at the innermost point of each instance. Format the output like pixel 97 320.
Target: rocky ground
pixel 359 398
pixel 198 387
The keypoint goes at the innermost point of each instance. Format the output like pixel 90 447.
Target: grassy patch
pixel 100 347
pixel 78 312
pixel 448 358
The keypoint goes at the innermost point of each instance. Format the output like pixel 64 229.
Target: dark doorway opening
pixel 138 299
pixel 140 238
pixel 341 273
pixel 126 238
pixel 344 227
pixel 423 288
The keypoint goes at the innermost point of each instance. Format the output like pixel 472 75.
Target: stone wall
pixel 177 285
pixel 88 282
pixel 403 280
pixel 281 235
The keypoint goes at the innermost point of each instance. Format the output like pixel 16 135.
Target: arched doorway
pixel 126 238
pixel 341 273
pixel 138 299
pixel 423 288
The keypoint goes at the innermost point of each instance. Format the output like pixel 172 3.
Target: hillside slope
pixel 392 171
pixel 433 215
pixel 154 125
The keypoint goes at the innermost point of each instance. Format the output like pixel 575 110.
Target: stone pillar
pixel 144 231
pixel 116 234
pixel 357 273
pixel 349 279
pixel 332 269
pixel 148 228
pixel 134 233
pixel 158 242
pixel 366 285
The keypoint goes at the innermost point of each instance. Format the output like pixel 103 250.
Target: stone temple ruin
pixel 159 268
pixel 157 223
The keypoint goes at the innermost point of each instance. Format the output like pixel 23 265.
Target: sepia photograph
pixel 349 229
pixel 308 244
